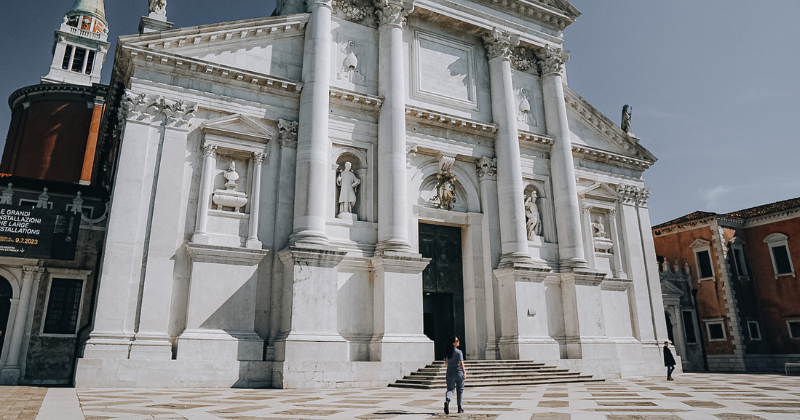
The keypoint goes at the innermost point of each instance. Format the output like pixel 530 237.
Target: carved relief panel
pixel 354 59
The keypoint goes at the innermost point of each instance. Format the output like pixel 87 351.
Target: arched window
pixel 778 244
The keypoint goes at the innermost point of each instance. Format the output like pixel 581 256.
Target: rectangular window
pixel 755 330
pixel 704 260
pixel 716 330
pixel 738 258
pixel 67 57
pixel 63 306
pixel 90 62
pixel 77 62
pixel 794 328
pixel 688 327
pixel 781 256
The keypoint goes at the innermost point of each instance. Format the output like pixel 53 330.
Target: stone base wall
pixel 770 362
pixel 115 373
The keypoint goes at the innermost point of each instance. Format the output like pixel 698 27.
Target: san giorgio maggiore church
pixel 321 198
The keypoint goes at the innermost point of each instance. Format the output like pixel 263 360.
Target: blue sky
pixel 714 84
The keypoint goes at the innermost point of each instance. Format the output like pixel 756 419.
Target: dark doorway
pixel 6 293
pixel 442 285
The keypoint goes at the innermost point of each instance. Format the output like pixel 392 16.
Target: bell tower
pixel 81 45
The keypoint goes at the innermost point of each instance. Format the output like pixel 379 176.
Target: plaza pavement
pixel 690 396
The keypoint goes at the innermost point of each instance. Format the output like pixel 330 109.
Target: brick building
pixel 730 287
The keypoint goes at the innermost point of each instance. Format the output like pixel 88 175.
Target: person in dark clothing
pixel 456 373
pixel 669 361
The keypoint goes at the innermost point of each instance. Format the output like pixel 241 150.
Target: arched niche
pixel 424 182
pixel 545 207
pixel 12 281
pixel 358 162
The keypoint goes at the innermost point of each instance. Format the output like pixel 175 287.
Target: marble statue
pixel 599 228
pixel 533 220
pixel 627 110
pixel 348 183
pixel 158 7
pixel 446 191
pixel 231 176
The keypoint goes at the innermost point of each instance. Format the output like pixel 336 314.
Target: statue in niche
pixel 348 183
pixel 349 69
pixel 598 228
pixel 533 220
pixel 627 111
pixel 445 190
pixel 158 7
pixel 231 176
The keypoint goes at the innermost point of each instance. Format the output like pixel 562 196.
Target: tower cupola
pixel 81 45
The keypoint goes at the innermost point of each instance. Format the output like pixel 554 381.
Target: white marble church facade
pixel 242 252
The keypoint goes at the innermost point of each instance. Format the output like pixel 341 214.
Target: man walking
pixel 669 361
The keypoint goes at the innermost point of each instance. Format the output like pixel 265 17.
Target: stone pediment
pixel 667 288
pixel 239 127
pixel 270 47
pixel 599 191
pixel 594 131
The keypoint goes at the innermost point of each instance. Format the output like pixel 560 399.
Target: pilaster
pixel 10 375
pixel 487 178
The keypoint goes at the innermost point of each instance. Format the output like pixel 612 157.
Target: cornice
pixel 534 10
pixel 41 89
pixel 602 156
pixel 604 126
pixel 772 218
pixel 345 95
pixel 535 140
pixel 208 34
pixel 682 227
pixel 212 69
pixel 448 121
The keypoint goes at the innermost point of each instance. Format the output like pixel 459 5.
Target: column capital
pixel 392 12
pixel 31 272
pixel 209 150
pixel 143 107
pixel 258 157
pixel 487 168
pixel 316 4
pixel 500 44
pixel 287 132
pixel 552 60
pixel 633 195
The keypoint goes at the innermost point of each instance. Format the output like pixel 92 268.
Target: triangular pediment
pixel 599 191
pixel 240 127
pixel 667 288
pixel 594 131
pixel 700 243
pixel 271 46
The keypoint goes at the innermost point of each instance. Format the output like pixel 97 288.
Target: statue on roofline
pixel 627 111
pixel 158 7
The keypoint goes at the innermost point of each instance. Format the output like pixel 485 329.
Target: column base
pixel 312 347
pixel 151 347
pixel 309 238
pixel 107 345
pixel 10 375
pixel 529 348
pixel 201 344
pixel 401 348
pixel 253 244
pixel 393 246
pixel 518 260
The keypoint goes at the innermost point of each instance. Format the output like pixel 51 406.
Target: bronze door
pixel 442 285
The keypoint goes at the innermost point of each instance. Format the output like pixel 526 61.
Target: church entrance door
pixel 442 285
pixel 6 293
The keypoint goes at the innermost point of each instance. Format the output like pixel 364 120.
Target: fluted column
pixel 11 370
pixel 204 200
pixel 313 145
pixel 565 190
pixel 255 201
pixel 510 190
pixel 392 184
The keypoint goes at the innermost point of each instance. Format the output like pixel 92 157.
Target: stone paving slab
pixel 20 402
pixel 689 397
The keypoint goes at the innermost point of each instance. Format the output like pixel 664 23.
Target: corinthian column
pixel 510 191
pixel 392 195
pixel 565 190
pixel 313 145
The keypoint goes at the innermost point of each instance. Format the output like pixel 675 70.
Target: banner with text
pixel 38 233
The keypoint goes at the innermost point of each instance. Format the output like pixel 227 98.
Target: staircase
pixel 493 373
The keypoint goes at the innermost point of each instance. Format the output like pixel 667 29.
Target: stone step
pixel 493 373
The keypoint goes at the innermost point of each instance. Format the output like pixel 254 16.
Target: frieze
pixel 523 59
pixel 355 97
pixel 355 10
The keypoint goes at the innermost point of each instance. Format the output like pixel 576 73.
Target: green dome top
pixel 94 8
